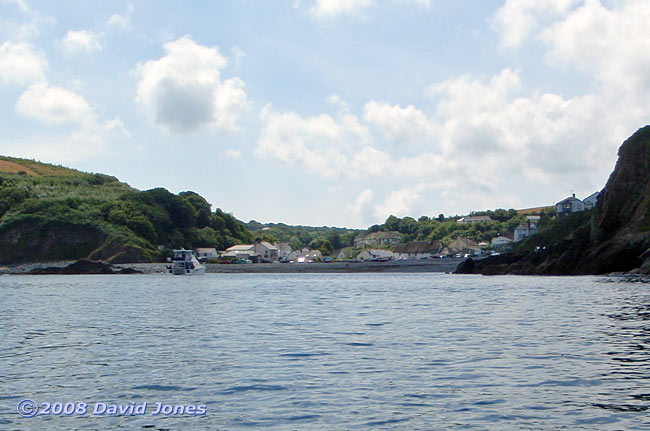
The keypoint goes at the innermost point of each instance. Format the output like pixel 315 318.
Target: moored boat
pixel 185 263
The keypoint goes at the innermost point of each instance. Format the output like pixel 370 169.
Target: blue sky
pixel 330 112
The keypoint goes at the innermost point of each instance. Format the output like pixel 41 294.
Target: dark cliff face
pixel 623 206
pixel 620 223
pixel 615 237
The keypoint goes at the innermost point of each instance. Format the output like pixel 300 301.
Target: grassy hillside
pixel 50 212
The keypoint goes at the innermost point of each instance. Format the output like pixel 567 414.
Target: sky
pixel 330 112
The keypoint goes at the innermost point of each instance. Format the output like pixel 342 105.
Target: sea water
pixel 324 352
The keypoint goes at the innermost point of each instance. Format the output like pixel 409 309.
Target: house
pixel 260 251
pixel 305 255
pixel 500 242
pixel 568 206
pixel 242 251
pixel 590 201
pixel 267 251
pixel 474 219
pixel 525 229
pixel 417 249
pixel 206 253
pixel 284 249
pixel 464 246
pixel 377 239
pixel 374 254
pixel 338 254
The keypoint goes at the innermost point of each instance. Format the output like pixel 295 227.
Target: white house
pixel 284 249
pixel 590 201
pixel 206 253
pixel 500 241
pixel 266 251
pixel 417 249
pixel 569 205
pixel 261 251
pixel 373 254
pixel 524 230
pixel 242 251
pixel 474 219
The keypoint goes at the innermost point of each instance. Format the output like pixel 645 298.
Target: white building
pixel 417 249
pixel 500 241
pixel 524 230
pixel 590 201
pixel 206 253
pixel 474 219
pixel 568 206
pixel 374 254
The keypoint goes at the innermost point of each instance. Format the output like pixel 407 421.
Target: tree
pixel 326 248
pixel 335 239
pixel 391 223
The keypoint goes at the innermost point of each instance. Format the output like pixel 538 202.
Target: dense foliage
pixel 49 212
pixel 304 236
pixel 448 229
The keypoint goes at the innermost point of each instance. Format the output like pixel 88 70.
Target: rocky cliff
pixel 612 237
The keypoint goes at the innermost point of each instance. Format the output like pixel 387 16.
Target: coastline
pixel 409 265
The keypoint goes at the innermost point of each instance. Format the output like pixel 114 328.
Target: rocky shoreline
pixel 425 265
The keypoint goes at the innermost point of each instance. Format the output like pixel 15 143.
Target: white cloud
pixel 400 125
pixel 79 145
pixel 232 153
pixel 399 203
pixel 517 19
pixel 611 45
pixel 183 90
pixel 334 8
pixel 123 21
pixel 76 41
pixel 318 143
pixel 54 105
pixel 22 5
pixel 361 202
pixel 423 3
pixel 21 64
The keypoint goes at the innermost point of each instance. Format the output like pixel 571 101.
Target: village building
pixel 568 206
pixel 590 201
pixel 378 239
pixel 474 219
pixel 464 247
pixel 375 254
pixel 499 242
pixel 242 251
pixel 284 249
pixel 260 251
pixel 204 253
pixel 266 251
pixel 417 249
pixel 525 230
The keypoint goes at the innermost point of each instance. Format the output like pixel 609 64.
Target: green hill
pixel 50 213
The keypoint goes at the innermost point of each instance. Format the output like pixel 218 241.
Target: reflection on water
pixel 329 351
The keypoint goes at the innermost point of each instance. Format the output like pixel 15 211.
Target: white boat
pixel 185 263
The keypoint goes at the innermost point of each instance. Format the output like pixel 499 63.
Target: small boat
pixel 185 263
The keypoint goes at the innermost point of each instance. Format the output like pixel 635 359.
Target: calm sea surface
pixel 327 351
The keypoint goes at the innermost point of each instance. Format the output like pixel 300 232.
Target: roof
pixel 569 199
pixel 474 219
pixel 240 247
pixel 268 245
pixel 206 249
pixel 418 247
pixel 594 195
pixel 462 243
